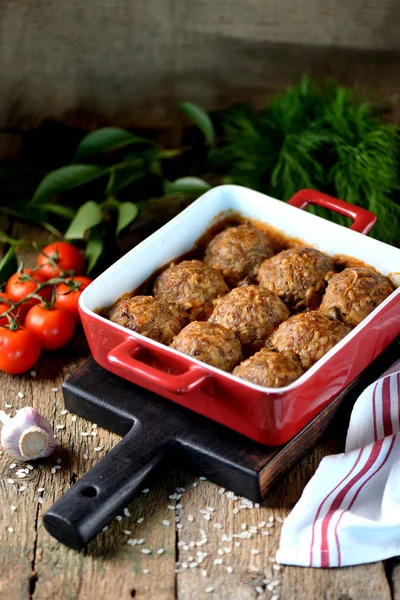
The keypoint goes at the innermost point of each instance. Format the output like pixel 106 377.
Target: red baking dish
pixel 269 416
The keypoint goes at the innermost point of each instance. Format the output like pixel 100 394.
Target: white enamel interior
pixel 178 236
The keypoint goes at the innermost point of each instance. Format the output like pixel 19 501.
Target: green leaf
pixel 94 249
pixel 105 140
pixel 59 209
pixel 200 118
pixel 88 216
pixel 122 177
pixel 8 265
pixel 127 213
pixel 187 185
pixel 64 179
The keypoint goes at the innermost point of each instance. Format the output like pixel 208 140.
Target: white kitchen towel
pixel 349 512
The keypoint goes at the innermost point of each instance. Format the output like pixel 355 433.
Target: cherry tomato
pixel 66 256
pixel 67 300
pixel 19 350
pixel 17 290
pixel 54 328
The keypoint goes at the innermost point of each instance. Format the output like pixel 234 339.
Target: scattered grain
pixel 259 589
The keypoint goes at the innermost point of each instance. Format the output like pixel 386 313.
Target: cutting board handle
pixel 107 488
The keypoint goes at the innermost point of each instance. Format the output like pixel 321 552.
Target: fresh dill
pixel 315 137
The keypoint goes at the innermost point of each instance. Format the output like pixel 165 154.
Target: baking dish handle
pixel 363 219
pixel 124 356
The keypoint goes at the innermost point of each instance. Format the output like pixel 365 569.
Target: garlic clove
pixel 28 435
pixel 33 443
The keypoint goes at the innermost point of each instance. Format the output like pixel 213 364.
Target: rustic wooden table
pixel 34 565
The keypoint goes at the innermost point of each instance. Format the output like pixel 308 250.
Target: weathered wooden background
pixel 130 62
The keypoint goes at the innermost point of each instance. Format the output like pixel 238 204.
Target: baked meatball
pixel 237 252
pixel 210 343
pixel 192 285
pixel 251 313
pixel 354 293
pixel 146 315
pixel 298 276
pixel 269 369
pixel 307 337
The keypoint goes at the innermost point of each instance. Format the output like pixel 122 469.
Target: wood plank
pixel 55 570
pixel 32 564
pixel 365 582
pixel 161 53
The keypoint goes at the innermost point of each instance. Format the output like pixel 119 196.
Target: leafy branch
pixel 108 164
pixel 120 184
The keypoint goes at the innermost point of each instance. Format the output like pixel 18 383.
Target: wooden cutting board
pixel 158 433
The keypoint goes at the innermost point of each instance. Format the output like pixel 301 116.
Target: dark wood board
pixel 158 433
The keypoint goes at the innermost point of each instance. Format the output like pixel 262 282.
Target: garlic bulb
pixel 28 435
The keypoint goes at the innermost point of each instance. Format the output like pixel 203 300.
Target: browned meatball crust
pixel 210 343
pixel 251 313
pixel 192 285
pixel 146 315
pixel 237 252
pixel 269 369
pixel 354 293
pixel 308 336
pixel 298 276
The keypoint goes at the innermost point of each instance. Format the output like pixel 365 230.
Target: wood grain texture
pixel 129 63
pixel 33 565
